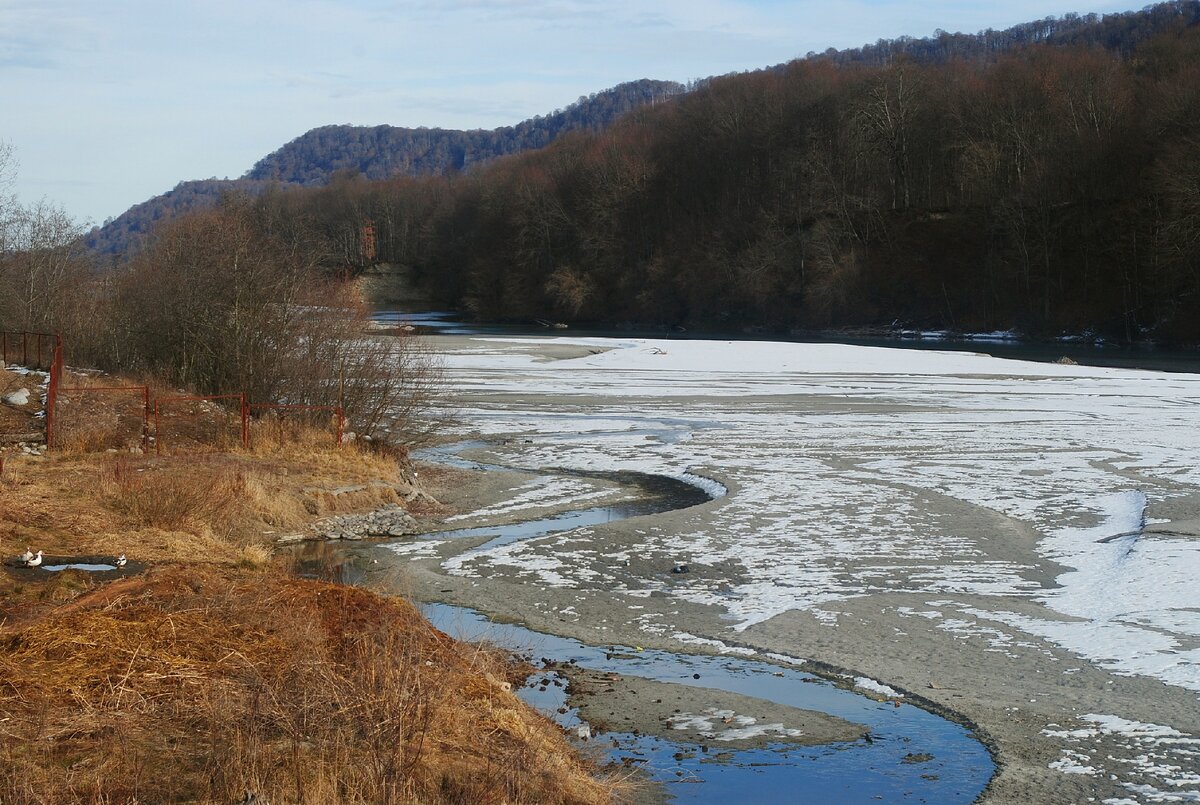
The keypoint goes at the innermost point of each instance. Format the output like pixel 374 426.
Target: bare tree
pixel 8 177
pixel 218 305
pixel 42 266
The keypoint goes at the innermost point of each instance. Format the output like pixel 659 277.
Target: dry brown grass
pixel 101 502
pixel 90 420
pixel 216 672
pixel 212 508
pixel 171 497
pixel 272 431
pixel 194 684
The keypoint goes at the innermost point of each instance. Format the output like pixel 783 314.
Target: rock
pixel 388 521
pixel 18 397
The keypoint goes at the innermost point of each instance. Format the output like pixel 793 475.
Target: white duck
pixel 121 560
pixel 25 557
pixel 34 561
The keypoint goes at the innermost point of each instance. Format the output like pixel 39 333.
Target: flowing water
pixel 911 755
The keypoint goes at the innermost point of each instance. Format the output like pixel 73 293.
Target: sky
pixel 106 104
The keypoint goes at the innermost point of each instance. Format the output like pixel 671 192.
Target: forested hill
pixel 381 151
pixel 1120 32
pixel 375 152
pixel 1052 188
pixel 119 237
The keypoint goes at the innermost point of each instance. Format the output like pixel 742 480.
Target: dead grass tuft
pixel 171 497
pixel 254 556
pixel 189 684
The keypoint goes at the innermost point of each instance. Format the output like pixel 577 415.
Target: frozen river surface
pixel 1026 510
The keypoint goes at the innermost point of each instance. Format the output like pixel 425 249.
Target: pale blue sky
pixel 109 103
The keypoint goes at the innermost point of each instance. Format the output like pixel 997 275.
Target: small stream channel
pixel 911 755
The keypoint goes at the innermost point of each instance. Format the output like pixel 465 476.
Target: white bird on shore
pixel 25 557
pixel 34 561
pixel 121 560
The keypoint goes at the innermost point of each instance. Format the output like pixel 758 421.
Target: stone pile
pixel 29 448
pixel 389 521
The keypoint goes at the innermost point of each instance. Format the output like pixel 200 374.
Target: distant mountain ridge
pixel 382 151
pixel 1120 32
pixel 123 235
pixel 377 152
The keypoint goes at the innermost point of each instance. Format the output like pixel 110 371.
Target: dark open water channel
pixel 1084 351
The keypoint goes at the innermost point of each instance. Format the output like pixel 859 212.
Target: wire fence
pixel 291 422
pixel 95 417
pixel 202 422
pixel 31 350
pixel 102 417
pixel 39 352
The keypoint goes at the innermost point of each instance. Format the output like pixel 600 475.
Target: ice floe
pixel 836 452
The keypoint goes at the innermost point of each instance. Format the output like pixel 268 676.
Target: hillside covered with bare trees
pixel 1048 186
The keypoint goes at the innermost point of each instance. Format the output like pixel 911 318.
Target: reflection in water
pixel 85 566
pixel 865 771
pixel 1087 351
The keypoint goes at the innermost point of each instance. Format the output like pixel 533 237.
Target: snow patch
pixel 868 684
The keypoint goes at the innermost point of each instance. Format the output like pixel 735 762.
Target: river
pixel 908 754
pixel 1014 541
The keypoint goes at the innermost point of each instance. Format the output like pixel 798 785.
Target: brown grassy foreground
pixel 192 683
pixel 216 672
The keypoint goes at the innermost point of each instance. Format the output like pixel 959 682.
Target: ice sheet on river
pixel 853 470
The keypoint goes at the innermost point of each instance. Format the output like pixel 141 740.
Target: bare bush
pixel 222 305
pixel 42 267
pixel 169 500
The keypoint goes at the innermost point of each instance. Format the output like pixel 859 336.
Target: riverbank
pixel 204 669
pixel 948 525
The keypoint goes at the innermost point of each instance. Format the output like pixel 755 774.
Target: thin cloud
pixel 136 94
